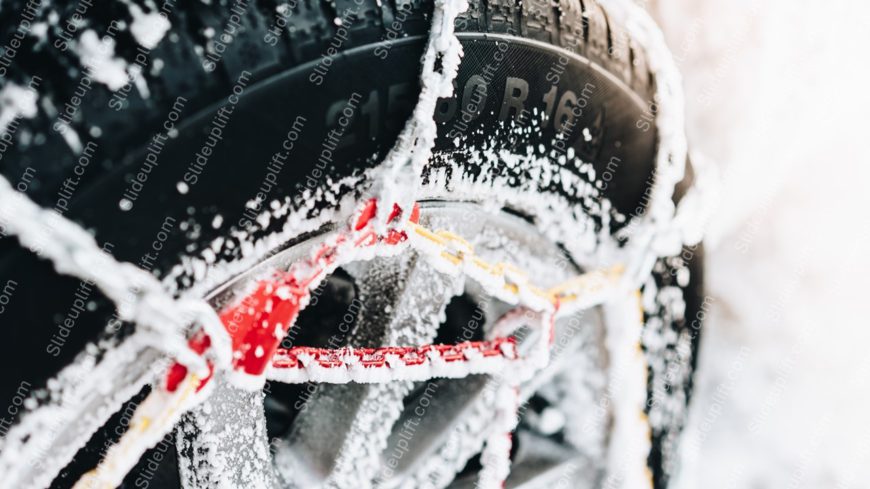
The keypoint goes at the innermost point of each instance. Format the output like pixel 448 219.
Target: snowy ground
pixel 776 93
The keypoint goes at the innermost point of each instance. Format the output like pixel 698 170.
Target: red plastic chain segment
pixel 259 323
pixel 380 357
pixel 366 215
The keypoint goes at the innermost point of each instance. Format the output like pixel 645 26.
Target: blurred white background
pixel 778 95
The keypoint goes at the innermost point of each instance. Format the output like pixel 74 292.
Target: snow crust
pixel 148 29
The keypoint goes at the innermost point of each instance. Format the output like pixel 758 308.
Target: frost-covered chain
pixel 405 161
pixel 138 295
pixel 388 364
pixel 153 418
pixel 495 458
pixel 453 254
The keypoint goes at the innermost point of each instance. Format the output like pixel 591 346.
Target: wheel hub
pixel 392 427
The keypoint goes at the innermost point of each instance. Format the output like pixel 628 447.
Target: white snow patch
pixel 148 29
pixel 98 55
pixel 16 101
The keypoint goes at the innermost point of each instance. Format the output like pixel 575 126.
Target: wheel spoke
pixel 541 463
pixel 428 426
pixel 223 441
pixel 461 437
